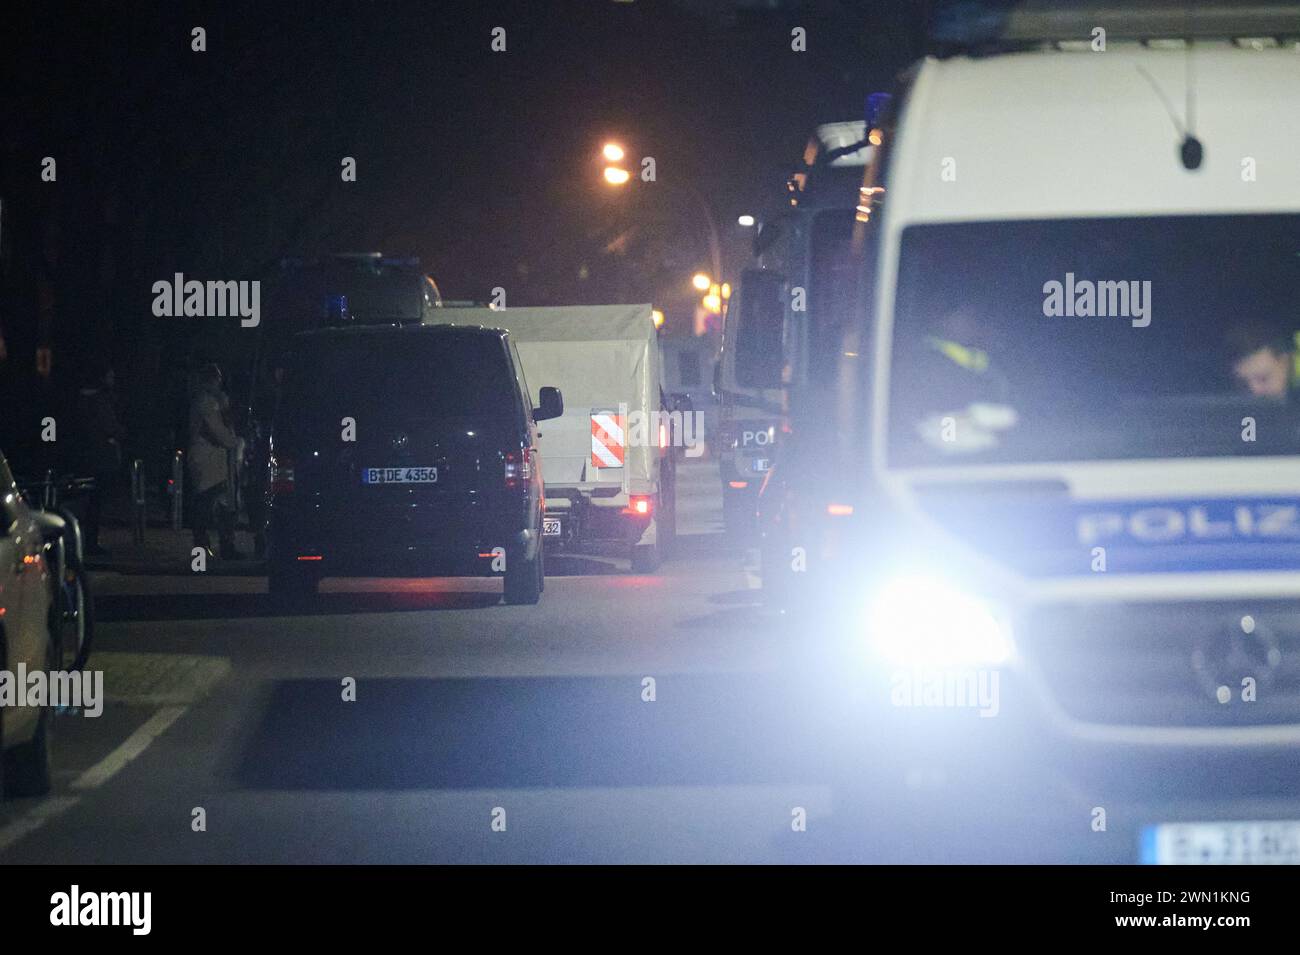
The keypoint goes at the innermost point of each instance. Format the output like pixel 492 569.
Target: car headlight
pixel 919 621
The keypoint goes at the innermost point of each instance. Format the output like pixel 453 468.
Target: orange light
pixel 701 281
pixel 738 485
pixel 658 316
pixel 639 505
pixel 310 557
pixel 613 152
pixel 489 554
pixel 839 510
pixel 616 176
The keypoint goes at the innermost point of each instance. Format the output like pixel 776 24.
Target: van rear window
pixel 415 376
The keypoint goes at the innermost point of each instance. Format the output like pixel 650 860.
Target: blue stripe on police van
pixel 1046 535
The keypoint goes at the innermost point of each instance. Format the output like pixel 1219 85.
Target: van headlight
pixel 924 622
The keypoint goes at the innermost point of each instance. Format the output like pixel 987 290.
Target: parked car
pixel 406 451
pixel 31 566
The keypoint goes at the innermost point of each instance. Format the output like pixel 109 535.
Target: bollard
pixel 177 489
pixel 138 499
pixel 49 492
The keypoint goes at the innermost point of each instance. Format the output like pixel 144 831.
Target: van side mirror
pixel 760 334
pixel 550 404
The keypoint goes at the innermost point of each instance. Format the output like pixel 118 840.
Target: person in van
pixel 1262 359
pixel 957 369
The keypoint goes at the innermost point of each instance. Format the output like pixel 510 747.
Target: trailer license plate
pixel 399 475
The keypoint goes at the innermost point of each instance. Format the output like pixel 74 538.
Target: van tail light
pixel 640 505
pixel 519 467
pixel 281 475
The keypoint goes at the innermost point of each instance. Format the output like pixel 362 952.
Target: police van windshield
pixel 1096 339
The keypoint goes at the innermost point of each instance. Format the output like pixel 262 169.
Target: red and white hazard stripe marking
pixel 607 440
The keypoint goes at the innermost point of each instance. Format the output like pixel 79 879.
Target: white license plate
pixel 399 475
pixel 550 527
pixel 1221 843
pixel 762 464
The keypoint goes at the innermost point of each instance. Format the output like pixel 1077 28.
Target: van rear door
pixel 399 425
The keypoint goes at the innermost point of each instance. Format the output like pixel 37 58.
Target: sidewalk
pixel 168 552
pixel 165 551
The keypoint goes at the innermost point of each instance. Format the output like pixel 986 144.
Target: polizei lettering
pixel 1158 524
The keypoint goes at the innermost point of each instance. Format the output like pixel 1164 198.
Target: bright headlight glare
pixel 919 621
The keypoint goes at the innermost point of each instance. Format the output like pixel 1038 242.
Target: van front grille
pixel 1170 665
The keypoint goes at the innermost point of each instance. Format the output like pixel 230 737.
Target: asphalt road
pixel 487 733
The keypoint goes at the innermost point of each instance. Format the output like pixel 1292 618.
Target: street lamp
pixel 616 176
pixel 745 222
pixel 701 281
pixel 613 152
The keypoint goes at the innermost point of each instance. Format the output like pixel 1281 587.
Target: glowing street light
pixel 616 176
pixel 701 281
pixel 613 152
pixel 746 221
pixel 658 316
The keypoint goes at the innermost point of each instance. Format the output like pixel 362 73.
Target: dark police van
pixel 406 451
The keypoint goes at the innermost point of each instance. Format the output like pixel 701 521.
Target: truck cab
pixel 787 319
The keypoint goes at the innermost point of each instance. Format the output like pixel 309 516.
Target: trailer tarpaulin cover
pixel 605 360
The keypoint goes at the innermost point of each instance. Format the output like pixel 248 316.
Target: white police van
pixel 1071 483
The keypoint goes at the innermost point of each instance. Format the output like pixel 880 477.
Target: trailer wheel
pixel 645 558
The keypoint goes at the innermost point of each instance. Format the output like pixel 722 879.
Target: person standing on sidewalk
pixel 211 440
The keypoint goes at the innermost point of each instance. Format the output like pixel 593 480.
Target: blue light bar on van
pixel 335 310
pixel 876 105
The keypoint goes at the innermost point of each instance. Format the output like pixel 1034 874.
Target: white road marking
pixel 97 775
pixel 130 748
pixel 36 817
